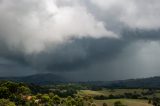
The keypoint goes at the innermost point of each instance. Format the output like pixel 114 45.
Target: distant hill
pixel 46 79
pixel 152 82
pixel 40 79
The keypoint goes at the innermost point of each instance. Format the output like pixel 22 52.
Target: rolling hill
pixel 152 82
pixel 40 79
pixel 46 79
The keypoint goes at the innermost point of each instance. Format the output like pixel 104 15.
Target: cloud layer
pixel 33 24
pixel 76 37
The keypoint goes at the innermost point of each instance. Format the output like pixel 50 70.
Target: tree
pixel 93 104
pixel 12 86
pixel 19 100
pixel 39 96
pixel 23 90
pixel 156 101
pixel 89 103
pixel 149 101
pixel 6 102
pixel 118 103
pixel 4 92
pixel 45 99
pixel 56 100
pixel 79 101
pixel 105 104
pixel 63 102
pixel 51 95
pixel 68 101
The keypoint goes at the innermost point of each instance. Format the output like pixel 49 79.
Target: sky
pixel 82 40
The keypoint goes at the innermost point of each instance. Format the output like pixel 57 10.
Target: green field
pixel 128 102
pixel 125 101
pixel 107 92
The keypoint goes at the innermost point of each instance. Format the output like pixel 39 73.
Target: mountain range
pixel 48 78
pixel 39 79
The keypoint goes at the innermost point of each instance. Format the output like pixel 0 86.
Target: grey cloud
pixel 141 34
pixel 79 37
pixel 80 53
pixel 14 68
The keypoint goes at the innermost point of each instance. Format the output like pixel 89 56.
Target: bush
pixel 93 104
pixel 6 102
pixel 118 103
pixel 100 97
pixel 105 104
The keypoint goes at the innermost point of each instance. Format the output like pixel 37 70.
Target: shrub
pixel 118 103
pixel 105 104
pixel 6 102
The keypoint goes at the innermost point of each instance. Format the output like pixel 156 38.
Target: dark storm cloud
pixel 102 37
pixel 14 68
pixel 80 53
pixel 83 55
pixel 142 34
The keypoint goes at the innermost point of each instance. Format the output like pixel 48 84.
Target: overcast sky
pixel 80 39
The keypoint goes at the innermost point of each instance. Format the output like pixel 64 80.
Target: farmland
pixel 128 102
pixel 74 94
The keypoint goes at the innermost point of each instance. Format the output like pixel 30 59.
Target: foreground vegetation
pixel 20 94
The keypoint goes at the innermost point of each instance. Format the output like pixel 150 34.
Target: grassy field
pixel 89 93
pixel 128 102
pixel 107 92
pixel 140 100
pixel 110 102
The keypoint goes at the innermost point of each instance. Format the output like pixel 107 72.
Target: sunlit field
pixel 128 102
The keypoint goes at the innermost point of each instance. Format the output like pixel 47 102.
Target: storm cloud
pixel 110 38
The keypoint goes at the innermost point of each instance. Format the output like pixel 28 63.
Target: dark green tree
pixel 105 104
pixel 56 100
pixel 45 99
pixel 23 90
pixel 6 102
pixel 4 92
